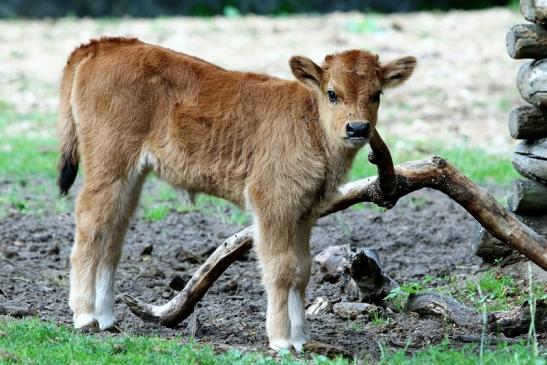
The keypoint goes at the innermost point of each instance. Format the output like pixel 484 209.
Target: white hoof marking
pixel 106 321
pixel 84 320
pixel 299 327
pixel 280 344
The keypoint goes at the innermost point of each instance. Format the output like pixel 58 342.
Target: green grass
pixel 35 342
pixel 443 354
pixel 400 294
pixel 479 165
pixel 377 319
pixel 29 153
pixel 28 157
pixel 31 341
pixel 28 144
pixel 514 5
pixel 500 291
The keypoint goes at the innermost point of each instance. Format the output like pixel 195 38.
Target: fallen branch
pixel 387 179
pixel 491 249
pixel 182 305
pixel 435 173
pixel 517 321
pixel 511 323
pixel 486 339
pixel 434 304
pixel 17 312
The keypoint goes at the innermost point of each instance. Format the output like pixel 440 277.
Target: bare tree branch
pixel 435 173
pixel 381 157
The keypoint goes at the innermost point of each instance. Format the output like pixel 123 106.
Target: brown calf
pixel 278 148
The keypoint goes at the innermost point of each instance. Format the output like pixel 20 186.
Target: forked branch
pixel 391 184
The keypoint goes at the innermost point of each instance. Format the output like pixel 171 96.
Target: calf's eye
pixel 376 97
pixel 332 96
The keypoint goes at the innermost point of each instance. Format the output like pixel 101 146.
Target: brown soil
pixel 424 234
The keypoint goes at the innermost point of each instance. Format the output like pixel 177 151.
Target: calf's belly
pixel 197 180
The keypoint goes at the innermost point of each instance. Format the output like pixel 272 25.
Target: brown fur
pixel 273 146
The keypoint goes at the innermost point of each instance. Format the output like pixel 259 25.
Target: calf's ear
pixel 398 71
pixel 306 71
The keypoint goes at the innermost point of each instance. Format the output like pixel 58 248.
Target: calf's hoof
pixel 298 344
pixel 105 321
pixel 102 322
pixel 280 344
pixel 84 320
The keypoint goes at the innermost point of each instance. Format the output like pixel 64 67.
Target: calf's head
pixel 347 88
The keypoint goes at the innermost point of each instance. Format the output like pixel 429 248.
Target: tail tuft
pixel 68 169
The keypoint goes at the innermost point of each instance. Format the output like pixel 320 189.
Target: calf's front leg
pixel 297 293
pixel 283 251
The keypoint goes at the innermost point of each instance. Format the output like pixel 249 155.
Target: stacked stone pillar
pixel 527 197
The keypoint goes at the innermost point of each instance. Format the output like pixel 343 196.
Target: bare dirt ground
pixel 461 92
pixel 413 240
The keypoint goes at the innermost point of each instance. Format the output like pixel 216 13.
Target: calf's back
pixel 200 127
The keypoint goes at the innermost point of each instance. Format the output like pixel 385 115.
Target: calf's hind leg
pixel 103 211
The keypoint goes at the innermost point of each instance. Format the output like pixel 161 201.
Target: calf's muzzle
pixel 357 130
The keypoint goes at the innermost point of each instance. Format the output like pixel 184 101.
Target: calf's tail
pixel 69 159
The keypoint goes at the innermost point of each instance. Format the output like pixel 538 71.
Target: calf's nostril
pixel 357 129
